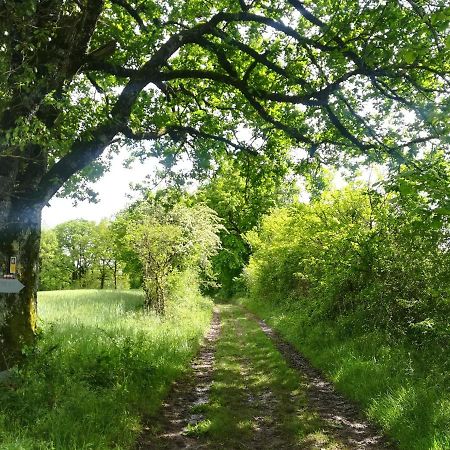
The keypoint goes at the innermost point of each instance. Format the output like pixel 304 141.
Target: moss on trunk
pixel 20 237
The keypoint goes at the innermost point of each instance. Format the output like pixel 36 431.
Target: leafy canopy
pixel 327 77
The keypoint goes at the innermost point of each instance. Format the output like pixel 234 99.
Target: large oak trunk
pixel 19 237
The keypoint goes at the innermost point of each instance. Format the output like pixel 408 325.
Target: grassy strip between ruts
pixel 100 365
pixel 402 390
pixel 256 400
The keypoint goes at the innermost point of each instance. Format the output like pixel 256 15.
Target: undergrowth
pixel 358 280
pixel 100 365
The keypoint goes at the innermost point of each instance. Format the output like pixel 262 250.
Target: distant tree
pixel 56 267
pixel 79 253
pixel 165 241
pixel 76 240
pixel 125 254
pixel 104 253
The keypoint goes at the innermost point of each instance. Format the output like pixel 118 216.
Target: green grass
pixel 100 366
pixel 403 388
pixel 256 398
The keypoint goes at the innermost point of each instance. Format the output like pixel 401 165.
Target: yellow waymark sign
pixel 13 265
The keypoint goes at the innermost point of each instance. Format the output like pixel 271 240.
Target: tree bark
pixel 20 237
pixel 102 275
pixel 115 274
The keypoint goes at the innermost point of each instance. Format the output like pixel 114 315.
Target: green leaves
pixel 169 239
pixel 241 192
pixel 218 67
pixel 409 56
pixel 79 253
pixel 406 187
pixel 447 42
pixel 380 259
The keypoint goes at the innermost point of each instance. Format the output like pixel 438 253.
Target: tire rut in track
pixel 169 429
pixel 346 421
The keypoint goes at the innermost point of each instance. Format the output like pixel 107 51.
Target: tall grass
pixel 100 365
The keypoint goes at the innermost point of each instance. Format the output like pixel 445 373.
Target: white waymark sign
pixel 10 286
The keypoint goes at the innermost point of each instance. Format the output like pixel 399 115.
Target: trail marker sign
pixel 13 265
pixel 10 286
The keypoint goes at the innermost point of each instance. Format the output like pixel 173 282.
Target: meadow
pixel 101 365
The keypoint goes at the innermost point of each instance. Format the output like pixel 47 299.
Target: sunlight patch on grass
pixel 198 428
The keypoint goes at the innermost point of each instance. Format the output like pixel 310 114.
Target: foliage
pixel 401 387
pixel 358 280
pixel 56 268
pixel 105 253
pixel 188 75
pixel 383 256
pixel 166 240
pixel 288 81
pixel 100 365
pixel 79 254
pixel 76 240
pixel 241 192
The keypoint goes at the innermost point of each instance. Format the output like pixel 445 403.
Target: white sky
pixel 113 188
pixel 114 191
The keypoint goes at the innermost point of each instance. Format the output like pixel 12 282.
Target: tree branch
pixel 132 12
pixel 110 69
pixel 344 131
pixel 173 131
pixel 300 7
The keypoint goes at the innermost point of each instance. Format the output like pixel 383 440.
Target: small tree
pixel 168 240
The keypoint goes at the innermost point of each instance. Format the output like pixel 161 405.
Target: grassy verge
pixel 256 400
pixel 403 389
pixel 99 366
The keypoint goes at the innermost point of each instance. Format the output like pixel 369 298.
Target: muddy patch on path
pixel 346 421
pixel 178 413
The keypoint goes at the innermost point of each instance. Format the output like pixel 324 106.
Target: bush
pixel 359 252
pixel 358 281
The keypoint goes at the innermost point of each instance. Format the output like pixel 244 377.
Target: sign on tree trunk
pixel 10 286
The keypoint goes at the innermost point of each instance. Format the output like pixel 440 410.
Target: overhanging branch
pixel 132 12
pixel 174 132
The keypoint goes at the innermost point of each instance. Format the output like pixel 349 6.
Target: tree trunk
pixel 102 275
pixel 160 297
pixel 161 303
pixel 115 274
pixel 20 229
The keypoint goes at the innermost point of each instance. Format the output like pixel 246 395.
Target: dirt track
pixel 333 422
